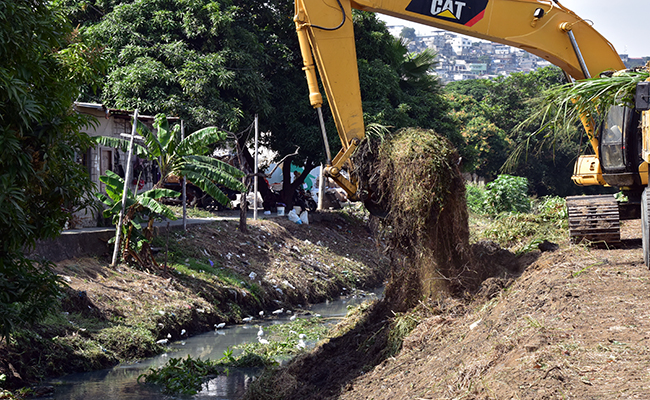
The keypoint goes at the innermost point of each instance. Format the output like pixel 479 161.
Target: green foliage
pixel 476 196
pixel 128 341
pixel 140 208
pixel 44 63
pixel 28 292
pixel 182 375
pixel 522 232
pixel 287 339
pixel 185 376
pixel 551 208
pixel 507 194
pixel 183 158
pixel 401 326
pixel 491 114
pixel 190 59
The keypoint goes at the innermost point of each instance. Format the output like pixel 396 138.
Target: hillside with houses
pixel 460 57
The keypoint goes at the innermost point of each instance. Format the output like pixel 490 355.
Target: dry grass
pixel 414 175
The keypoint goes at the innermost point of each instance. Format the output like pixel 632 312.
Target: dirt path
pixel 574 325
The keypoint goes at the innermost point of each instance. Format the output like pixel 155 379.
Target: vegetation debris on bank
pixel 216 275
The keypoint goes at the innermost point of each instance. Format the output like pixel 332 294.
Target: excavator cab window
pixel 615 132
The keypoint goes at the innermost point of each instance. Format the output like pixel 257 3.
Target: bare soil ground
pixel 574 325
pixel 568 324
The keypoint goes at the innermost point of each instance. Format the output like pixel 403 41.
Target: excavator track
pixel 594 218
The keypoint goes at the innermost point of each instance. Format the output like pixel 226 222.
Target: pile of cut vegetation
pixel 414 177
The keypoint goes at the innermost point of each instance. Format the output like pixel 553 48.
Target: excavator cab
pixel 620 147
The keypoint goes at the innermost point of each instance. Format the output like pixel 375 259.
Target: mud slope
pixel 575 325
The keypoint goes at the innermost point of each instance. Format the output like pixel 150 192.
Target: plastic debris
pixel 304 217
pixel 293 217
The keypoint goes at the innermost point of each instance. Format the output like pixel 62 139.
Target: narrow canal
pixel 120 382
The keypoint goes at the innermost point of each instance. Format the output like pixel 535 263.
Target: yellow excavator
pixel 621 145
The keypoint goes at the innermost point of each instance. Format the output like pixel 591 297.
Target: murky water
pixel 120 383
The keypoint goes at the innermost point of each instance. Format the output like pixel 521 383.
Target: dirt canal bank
pixel 121 382
pixel 217 275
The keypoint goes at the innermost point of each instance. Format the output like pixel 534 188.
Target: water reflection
pixel 121 382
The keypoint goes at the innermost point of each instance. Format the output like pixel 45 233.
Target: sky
pixel 625 23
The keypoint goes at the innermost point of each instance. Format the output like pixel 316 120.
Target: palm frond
pixel 163 132
pixel 236 172
pixel 590 98
pixel 122 144
pixel 197 142
pixel 105 199
pixel 377 132
pixel 160 193
pixel 207 186
pixel 212 174
pixel 155 207
pixel 150 139
pixel 114 185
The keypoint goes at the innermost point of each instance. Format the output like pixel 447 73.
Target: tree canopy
pixel 492 115
pixel 44 62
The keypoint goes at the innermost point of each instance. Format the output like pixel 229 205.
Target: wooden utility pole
pixel 257 134
pixel 127 179
pixel 184 185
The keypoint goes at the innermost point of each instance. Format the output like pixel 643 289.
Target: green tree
pixel 185 58
pixel 44 62
pixel 183 158
pixel 407 33
pixel 504 104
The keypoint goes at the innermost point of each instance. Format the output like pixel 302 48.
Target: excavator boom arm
pixel 544 28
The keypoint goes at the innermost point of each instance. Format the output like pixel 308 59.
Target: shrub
pixel 476 196
pixel 507 193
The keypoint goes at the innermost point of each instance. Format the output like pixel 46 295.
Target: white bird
pixel 182 332
pixel 220 326
pixel 261 313
pixel 262 341
pixel 293 317
pixel 260 332
pixel 169 336
pixel 247 319
pixel 277 312
pixel 301 344
pixel 162 341
pixel 302 336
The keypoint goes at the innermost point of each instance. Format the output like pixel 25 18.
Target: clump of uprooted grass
pixel 414 176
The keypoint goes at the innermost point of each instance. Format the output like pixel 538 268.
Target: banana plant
pixel 184 158
pixel 141 208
